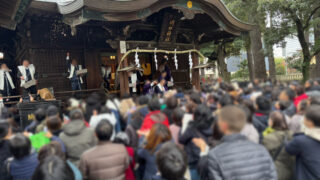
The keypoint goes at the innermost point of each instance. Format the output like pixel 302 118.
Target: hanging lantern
pixel 137 61
pixel 175 59
pixel 155 58
pixel 189 4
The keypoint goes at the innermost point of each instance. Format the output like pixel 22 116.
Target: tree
pixel 253 15
pixel 243 71
pixel 219 51
pixel 298 15
pixel 295 61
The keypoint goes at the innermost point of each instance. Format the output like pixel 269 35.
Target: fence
pixel 288 77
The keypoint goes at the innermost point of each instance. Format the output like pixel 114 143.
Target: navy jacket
pixel 23 169
pixel 260 122
pixel 307 152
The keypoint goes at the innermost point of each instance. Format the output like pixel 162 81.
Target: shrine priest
pixel 73 67
pixel 134 78
pixel 26 73
pixel 6 83
pixel 106 76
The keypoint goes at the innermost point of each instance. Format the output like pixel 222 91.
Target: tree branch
pixel 310 16
pixel 316 52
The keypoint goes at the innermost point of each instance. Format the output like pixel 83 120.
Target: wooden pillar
pixel 123 76
pixel 92 63
pixel 195 72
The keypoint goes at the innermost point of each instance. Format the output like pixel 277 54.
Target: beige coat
pixel 105 161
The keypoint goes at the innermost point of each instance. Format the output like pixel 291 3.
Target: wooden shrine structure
pixel 99 32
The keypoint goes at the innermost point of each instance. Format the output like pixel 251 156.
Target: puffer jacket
pixel 240 159
pixel 283 161
pixel 306 146
pixel 77 138
pixel 105 161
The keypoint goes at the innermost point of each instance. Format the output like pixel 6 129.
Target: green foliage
pixel 295 61
pixel 280 66
pixel 243 71
pixel 230 48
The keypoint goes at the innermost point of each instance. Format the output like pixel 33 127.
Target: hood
pixel 158 117
pixel 74 127
pixel 314 133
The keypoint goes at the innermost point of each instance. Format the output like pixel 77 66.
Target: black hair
pixel 53 168
pixel 52 110
pixel 104 130
pixel 20 146
pixel 4 128
pixel 171 162
pixel 40 114
pixel 263 104
pixel 202 118
pixel 248 112
pixel 154 104
pixel 195 97
pixel 225 100
pixel 172 102
pixel 177 116
pixel 142 100
pixel 313 114
pixel 290 93
pixel 76 114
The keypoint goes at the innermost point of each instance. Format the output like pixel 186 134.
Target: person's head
pixel 202 117
pixel 40 114
pixel 5 129
pixel 25 62
pixel 20 146
pixel 76 114
pixel 177 116
pixel 4 66
pixel 52 110
pixel 302 107
pixel 195 98
pixel 225 100
pixel 74 62
pixel 53 168
pixel 143 100
pixel 104 130
pixel 54 123
pixel 163 81
pixel 263 104
pixel 163 74
pixel 312 117
pixel 158 134
pixel 122 138
pixel 277 121
pixel 248 112
pixel 171 162
pixel 231 120
pixel 299 90
pixel 154 104
pixel 308 84
pixel 172 102
pixel 287 95
pixel 52 149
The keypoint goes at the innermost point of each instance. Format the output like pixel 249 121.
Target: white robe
pixel 22 69
pixel 2 81
pixel 72 71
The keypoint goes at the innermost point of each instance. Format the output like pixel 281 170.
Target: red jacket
pixel 153 118
pixel 129 170
pixel 300 98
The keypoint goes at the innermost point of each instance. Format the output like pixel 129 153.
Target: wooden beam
pixel 123 76
pixel 195 72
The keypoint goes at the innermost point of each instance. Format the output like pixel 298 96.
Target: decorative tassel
pixel 155 58
pixel 137 58
pixel 175 59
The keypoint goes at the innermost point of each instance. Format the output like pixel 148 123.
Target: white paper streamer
pixel 155 58
pixel 175 59
pixel 190 60
pixel 137 58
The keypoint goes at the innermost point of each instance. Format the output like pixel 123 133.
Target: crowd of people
pixel 231 131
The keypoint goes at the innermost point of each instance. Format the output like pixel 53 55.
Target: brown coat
pixel 106 161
